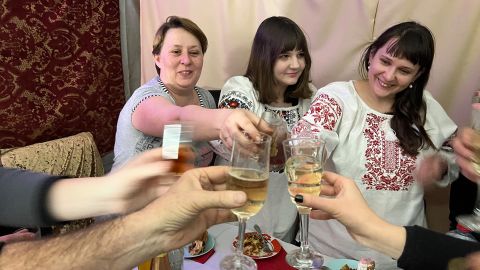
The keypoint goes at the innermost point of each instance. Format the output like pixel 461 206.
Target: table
pixel 224 234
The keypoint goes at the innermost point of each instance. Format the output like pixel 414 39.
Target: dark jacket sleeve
pixel 426 249
pixel 23 196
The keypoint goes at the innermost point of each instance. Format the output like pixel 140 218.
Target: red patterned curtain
pixel 60 70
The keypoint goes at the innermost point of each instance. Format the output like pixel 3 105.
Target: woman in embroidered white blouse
pixel 276 80
pixel 178 50
pixel 386 133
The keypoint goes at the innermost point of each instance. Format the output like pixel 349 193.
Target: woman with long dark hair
pixel 276 80
pixel 385 132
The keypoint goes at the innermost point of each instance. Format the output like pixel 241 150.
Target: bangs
pixel 291 41
pixel 410 46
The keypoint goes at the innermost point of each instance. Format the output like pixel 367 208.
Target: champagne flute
pixel 472 222
pixel 304 167
pixel 280 133
pixel 249 172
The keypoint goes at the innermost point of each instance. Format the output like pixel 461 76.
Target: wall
pixel 60 71
pixel 338 31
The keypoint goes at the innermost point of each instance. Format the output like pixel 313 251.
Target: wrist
pixel 384 237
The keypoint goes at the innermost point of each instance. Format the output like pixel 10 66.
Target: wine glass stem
pixel 304 247
pixel 242 223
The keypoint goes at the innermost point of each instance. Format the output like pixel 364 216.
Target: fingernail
pixel 299 198
pixel 240 197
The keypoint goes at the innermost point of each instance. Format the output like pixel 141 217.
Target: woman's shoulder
pixel 344 90
pixel 207 97
pixel 238 83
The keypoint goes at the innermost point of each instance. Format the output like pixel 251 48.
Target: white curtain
pixel 130 43
pixel 338 31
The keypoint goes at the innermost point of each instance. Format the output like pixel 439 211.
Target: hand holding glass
pixel 280 133
pixel 472 222
pixel 249 172
pixel 304 167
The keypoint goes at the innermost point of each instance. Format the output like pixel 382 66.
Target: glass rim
pixel 319 140
pixel 264 137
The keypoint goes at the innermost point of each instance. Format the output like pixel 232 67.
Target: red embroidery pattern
pixel 324 113
pixel 388 166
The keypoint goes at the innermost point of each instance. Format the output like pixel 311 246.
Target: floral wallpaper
pixel 60 70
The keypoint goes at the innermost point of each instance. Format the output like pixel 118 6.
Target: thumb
pixel 320 203
pixel 217 199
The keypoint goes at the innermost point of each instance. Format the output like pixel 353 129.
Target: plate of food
pixel 341 264
pixel 199 247
pixel 252 246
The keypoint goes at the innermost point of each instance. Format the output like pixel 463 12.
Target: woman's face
pixel 288 67
pixel 389 75
pixel 180 59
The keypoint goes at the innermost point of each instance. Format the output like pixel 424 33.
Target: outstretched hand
pixel 346 204
pixel 465 145
pixel 197 201
pixel 431 169
pixel 342 201
pixel 238 122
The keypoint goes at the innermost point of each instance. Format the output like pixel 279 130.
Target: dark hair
pixel 275 36
pixel 415 43
pixel 177 22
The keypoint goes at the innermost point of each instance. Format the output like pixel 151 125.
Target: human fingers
pixel 141 172
pixel 204 199
pixel 22 235
pixel 333 179
pixel 247 122
pixel 463 144
pixel 226 138
pixel 212 176
pixel 320 215
pixel 327 189
pixel 326 205
pixel 472 261
pixel 145 157
pixel 467 169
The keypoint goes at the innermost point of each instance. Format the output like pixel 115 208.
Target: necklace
pixel 164 88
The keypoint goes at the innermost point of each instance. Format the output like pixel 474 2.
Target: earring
pixel 368 67
pixel 410 86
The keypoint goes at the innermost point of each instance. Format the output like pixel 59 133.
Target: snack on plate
pixel 366 264
pixel 346 267
pixel 198 246
pixel 252 245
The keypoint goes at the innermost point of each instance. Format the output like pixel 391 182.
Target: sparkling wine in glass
pixel 280 133
pixel 249 172
pixel 304 167
pixel 472 222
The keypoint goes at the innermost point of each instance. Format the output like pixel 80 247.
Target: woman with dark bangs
pixel 385 132
pixel 276 80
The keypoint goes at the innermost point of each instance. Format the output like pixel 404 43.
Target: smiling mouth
pixel 185 72
pixel 383 84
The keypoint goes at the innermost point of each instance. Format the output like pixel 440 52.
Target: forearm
pixel 207 122
pixel 23 196
pixel 383 237
pixel 117 244
pixel 426 249
pixel 71 199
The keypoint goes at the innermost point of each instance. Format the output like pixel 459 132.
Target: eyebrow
pixel 390 57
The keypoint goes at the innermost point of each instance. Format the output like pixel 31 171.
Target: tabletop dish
pixel 252 246
pixel 209 244
pixel 337 264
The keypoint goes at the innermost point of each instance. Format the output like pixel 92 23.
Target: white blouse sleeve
pixel 441 130
pixel 238 92
pixel 321 120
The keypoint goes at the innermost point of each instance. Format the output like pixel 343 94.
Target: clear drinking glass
pixel 249 172
pixel 280 133
pixel 304 167
pixel 472 222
